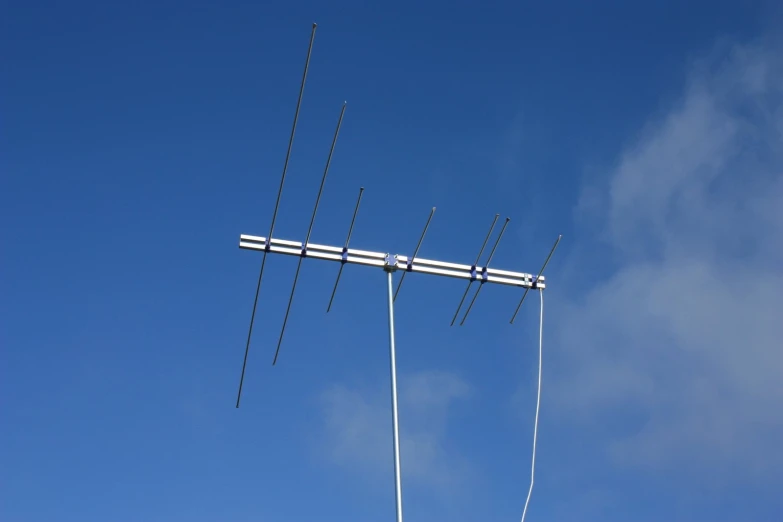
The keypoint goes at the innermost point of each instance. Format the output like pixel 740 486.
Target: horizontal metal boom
pixel 399 262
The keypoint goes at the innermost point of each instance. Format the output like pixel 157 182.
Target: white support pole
pixel 390 264
pixel 395 418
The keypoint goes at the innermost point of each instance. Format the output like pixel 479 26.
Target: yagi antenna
pixel 274 214
pixel 380 260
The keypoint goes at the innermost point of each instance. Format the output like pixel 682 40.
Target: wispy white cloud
pixel 357 425
pixel 687 330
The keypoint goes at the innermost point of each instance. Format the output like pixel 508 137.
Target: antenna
pixel 344 258
pixel 483 279
pixel 473 268
pixel 537 279
pixel 389 263
pixel 277 206
pixel 309 231
pixel 418 246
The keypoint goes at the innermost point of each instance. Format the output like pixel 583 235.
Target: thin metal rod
pixel 309 232
pixel 293 130
pixel 540 272
pixel 486 239
pixel 353 219
pixel 250 330
pixel 478 258
pixel 277 206
pixel 418 246
pixel 464 295
pixel 491 254
pixel 395 418
pixel 287 310
pixel 348 240
pixel 470 306
pixel 326 171
pixel 334 290
pixel 497 241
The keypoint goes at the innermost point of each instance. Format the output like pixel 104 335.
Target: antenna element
pixel 309 231
pixel 418 246
pixel 536 280
pixel 345 249
pixel 483 274
pixel 478 258
pixel 274 215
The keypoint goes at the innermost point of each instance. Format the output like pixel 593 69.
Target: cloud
pixel 357 424
pixel 684 335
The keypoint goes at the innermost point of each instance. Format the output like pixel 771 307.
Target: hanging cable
pixel 538 403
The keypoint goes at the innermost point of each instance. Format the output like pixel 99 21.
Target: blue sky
pixel 139 140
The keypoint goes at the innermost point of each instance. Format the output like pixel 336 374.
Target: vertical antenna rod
pixel 536 279
pixel 395 418
pixel 491 253
pixel 418 246
pixel 274 215
pixel 309 231
pixel 478 257
pixel 345 248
